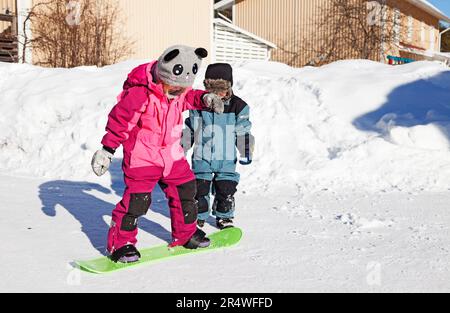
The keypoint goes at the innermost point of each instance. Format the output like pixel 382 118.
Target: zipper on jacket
pixel 164 133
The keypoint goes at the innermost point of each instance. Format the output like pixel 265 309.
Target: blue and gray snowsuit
pixel 215 138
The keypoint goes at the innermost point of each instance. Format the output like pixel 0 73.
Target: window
pixel 226 14
pixel 225 10
pixel 422 33
pixel 432 38
pixel 410 28
pixel 397 26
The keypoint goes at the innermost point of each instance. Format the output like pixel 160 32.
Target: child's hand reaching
pixel 214 102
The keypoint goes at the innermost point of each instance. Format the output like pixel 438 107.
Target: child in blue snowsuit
pixel 215 138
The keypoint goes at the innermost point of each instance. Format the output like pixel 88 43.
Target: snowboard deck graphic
pixel 222 239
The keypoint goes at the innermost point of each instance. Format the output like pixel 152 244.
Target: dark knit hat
pixel 219 78
pixel 222 71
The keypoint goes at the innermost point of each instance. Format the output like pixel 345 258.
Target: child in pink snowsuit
pixel 147 121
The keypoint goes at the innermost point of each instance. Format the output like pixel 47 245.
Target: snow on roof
pixel 428 7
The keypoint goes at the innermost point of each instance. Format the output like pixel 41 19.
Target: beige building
pixel 233 30
pixel 418 28
pixel 154 25
pixel 290 23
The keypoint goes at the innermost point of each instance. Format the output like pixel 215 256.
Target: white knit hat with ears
pixel 178 65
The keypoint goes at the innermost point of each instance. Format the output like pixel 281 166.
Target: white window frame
pixel 423 36
pixel 432 33
pixel 410 28
pixel 223 5
pixel 397 25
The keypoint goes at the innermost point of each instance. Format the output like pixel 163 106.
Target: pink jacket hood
pixel 144 75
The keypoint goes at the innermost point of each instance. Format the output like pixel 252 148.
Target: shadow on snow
pixel 89 211
pixel 421 102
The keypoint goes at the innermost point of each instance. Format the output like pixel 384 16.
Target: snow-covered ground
pixel 349 190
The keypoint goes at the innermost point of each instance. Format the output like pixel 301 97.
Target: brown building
pixel 292 23
pixel 234 30
pixel 8 31
pixel 154 25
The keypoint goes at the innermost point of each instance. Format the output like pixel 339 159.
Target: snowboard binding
pixel 198 240
pixel 126 254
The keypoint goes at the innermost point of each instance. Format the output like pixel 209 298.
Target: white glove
pixel 214 102
pixel 101 162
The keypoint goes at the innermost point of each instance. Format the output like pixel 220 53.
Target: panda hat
pixel 178 65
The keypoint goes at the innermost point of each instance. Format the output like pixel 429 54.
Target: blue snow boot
pixel 224 223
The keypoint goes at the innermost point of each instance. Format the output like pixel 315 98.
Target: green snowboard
pixel 222 239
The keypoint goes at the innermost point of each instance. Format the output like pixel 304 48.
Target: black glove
pixel 246 147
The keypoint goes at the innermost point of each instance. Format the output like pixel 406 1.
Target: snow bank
pixel 351 124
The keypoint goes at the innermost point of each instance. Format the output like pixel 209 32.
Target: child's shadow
pixel 159 201
pixel 90 210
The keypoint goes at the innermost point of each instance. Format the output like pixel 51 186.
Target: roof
pixel 242 31
pixel 423 4
pixel 223 4
pixel 431 9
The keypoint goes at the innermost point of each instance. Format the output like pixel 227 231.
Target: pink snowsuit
pixel 149 127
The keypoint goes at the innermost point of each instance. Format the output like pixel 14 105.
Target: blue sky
pixel 443 5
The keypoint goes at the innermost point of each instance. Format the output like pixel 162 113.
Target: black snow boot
pixel 126 254
pixel 224 223
pixel 199 240
pixel 201 223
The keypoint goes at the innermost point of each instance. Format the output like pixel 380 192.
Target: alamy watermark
pixel 73 17
pixel 212 142
pixel 373 277
pixel 74 276
pixel 376 12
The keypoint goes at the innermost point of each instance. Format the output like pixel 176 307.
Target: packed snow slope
pixel 348 125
